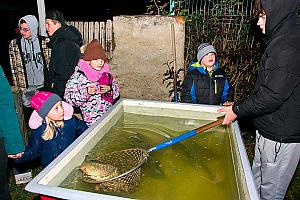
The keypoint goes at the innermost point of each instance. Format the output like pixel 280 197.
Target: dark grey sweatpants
pixel 273 167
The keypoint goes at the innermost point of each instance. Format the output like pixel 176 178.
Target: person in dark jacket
pixel 11 141
pixel 205 82
pixel 54 128
pixel 275 101
pixel 65 42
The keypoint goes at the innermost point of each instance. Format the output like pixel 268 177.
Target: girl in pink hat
pixel 53 126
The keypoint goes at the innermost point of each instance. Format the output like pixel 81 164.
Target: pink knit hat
pixel 43 102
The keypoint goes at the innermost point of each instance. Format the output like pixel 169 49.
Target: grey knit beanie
pixel 203 50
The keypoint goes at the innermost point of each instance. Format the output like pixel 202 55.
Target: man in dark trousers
pixel 275 102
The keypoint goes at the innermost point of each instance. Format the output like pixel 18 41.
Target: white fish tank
pixel 209 165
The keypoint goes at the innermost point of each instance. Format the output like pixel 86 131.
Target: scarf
pixel 92 74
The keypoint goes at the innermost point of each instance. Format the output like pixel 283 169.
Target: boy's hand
pixel 228 103
pixel 18 155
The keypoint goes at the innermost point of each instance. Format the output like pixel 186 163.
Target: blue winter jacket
pixel 50 149
pixel 201 88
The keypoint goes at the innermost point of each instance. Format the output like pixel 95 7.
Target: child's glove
pixel 106 79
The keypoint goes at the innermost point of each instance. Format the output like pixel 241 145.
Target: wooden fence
pixel 103 31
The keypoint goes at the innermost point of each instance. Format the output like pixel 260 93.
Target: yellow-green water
pixel 200 167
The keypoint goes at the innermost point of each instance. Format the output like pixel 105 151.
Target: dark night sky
pixel 86 10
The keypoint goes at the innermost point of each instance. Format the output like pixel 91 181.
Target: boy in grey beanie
pixel 204 49
pixel 205 82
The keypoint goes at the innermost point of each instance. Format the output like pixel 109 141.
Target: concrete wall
pixel 142 45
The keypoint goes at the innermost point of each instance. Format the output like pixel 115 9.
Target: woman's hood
pixel 67 33
pixel 281 16
pixel 32 24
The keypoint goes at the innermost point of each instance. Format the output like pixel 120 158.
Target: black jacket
pixel 65 45
pixel 275 102
pixel 201 88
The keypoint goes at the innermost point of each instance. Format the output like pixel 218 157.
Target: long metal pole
pixel 174 62
pixel 42 17
pixel 172 7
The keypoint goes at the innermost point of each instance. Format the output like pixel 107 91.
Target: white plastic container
pixel 48 180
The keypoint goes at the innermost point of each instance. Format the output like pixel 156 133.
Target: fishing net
pixel 127 163
pixel 120 170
